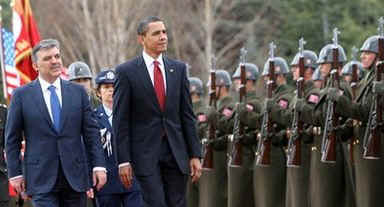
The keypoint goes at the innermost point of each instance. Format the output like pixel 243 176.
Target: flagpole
pixel 2 59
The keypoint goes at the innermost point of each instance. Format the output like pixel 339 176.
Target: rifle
pixel 328 146
pixel 208 155
pixel 354 82
pixel 294 144
pixel 263 153
pixel 372 137
pixel 235 158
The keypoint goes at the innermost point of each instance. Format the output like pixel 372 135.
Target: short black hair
pixel 143 24
pixel 44 44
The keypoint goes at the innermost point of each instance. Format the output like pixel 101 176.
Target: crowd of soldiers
pixel 304 135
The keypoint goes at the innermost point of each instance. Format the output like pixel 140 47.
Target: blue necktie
pixel 55 107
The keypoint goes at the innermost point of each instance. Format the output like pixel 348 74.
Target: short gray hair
pixel 143 24
pixel 44 44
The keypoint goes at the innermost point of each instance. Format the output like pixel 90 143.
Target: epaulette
pixel 3 105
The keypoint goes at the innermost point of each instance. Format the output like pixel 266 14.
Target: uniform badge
pixel 283 103
pixel 313 98
pixel 227 112
pixel 202 118
pixel 110 75
pixel 193 88
pixel 106 141
pixel 249 107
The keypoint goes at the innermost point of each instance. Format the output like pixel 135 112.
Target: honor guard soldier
pixel 298 177
pixel 330 183
pixel 113 193
pixel 196 91
pixel 80 73
pixel 213 182
pixel 240 174
pixel 270 179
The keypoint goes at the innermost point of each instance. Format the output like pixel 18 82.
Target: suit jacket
pixel 139 124
pixel 113 185
pixel 45 147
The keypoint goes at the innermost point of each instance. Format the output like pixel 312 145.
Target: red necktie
pixel 159 84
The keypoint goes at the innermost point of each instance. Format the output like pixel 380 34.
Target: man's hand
pixel 126 175
pixel 99 179
pixel 90 193
pixel 18 184
pixel 196 169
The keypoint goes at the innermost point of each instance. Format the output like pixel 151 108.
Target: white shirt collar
pixel 149 60
pixel 108 111
pixel 44 84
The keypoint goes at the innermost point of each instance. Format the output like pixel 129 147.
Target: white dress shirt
pixel 47 94
pixel 150 67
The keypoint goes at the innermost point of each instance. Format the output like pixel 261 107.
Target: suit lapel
pixel 65 103
pixel 40 102
pixel 171 77
pixel 146 80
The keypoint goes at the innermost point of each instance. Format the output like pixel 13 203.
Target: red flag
pixel 26 36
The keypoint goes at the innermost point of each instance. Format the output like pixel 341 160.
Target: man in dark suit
pixel 60 131
pixel 153 121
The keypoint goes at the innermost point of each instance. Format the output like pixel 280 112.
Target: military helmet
pixel 310 59
pixel 347 69
pixel 251 70
pixel 316 76
pixel 79 70
pixel 222 78
pixel 281 66
pixel 106 76
pixel 371 45
pixel 195 85
pixel 326 55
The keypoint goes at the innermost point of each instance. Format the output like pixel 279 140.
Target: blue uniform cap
pixel 107 76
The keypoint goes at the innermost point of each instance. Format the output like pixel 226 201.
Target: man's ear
pixel 34 65
pixel 140 39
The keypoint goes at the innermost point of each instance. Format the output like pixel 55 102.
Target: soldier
pixel 113 193
pixel 368 170
pixel 346 72
pixel 330 182
pixel 80 73
pixel 240 178
pixel 4 194
pixel 196 91
pixel 298 177
pixel 213 183
pixel 270 181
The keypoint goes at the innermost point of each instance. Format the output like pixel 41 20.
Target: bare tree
pixel 103 33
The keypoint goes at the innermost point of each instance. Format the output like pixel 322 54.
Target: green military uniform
pixel 368 172
pixel 193 188
pixel 213 183
pixel 240 178
pixel 330 183
pixel 4 195
pixel 270 181
pixel 94 100
pixel 298 178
